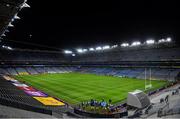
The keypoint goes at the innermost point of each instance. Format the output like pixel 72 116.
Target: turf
pixel 74 88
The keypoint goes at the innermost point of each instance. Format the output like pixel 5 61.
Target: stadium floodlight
pixel 84 50
pixel 73 55
pixel 161 41
pixel 106 47
pixel 7 5
pixel 12 20
pixel 99 48
pixel 136 43
pixel 16 17
pixel 3 35
pixel 150 41
pixel 7 47
pixel 10 25
pixel 124 44
pixel 25 5
pixel 6 30
pixel 79 50
pixel 114 46
pixel 168 39
pixel 68 52
pixel 165 40
pixel 91 49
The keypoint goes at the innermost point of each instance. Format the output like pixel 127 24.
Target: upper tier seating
pixel 17 55
pixel 151 54
pixel 160 54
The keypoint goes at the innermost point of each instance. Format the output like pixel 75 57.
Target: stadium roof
pixel 87 24
pixel 8 13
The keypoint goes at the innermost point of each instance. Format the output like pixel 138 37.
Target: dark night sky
pixel 72 24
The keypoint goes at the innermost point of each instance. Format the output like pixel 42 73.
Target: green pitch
pixel 74 88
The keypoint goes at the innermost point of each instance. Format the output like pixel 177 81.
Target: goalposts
pixel 148 85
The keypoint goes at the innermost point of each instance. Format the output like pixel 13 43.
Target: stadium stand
pixel 12 96
pixel 162 61
pixel 133 62
pixel 19 113
pixel 3 71
pixel 21 71
pixel 12 71
pixel 8 8
pixel 30 56
pixel 40 69
pixel 121 55
pixel 156 73
pixel 154 54
pixel 31 70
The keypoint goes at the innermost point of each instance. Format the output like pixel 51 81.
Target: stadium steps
pixel 28 70
pixel 16 69
pixel 55 69
pixel 12 71
pixel 20 70
pixel 3 71
pixel 10 112
pixel 8 71
pixel 35 70
pixel 40 69
pixel 10 92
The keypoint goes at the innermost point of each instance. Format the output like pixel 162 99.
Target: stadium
pixel 131 79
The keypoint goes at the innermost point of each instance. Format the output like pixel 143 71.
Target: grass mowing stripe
pixel 69 84
pixel 52 91
pixel 76 87
pixel 74 97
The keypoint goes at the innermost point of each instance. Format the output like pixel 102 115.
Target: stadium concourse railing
pixel 112 113
pixel 172 111
pixel 97 115
pixel 162 88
